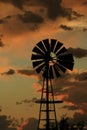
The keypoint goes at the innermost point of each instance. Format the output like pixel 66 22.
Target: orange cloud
pixel 37 87
pixel 24 124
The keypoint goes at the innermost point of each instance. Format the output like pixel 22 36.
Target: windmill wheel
pixel 52 57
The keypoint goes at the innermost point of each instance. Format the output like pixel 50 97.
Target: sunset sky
pixel 23 23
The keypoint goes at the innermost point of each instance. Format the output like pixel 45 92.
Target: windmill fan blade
pixel 63 50
pixel 36 63
pixel 61 68
pixel 46 43
pixel 56 71
pixel 40 67
pixel 58 45
pixel 68 65
pixel 66 57
pixel 37 50
pixel 41 46
pixel 51 58
pixel 51 73
pixel 52 44
pixel 36 57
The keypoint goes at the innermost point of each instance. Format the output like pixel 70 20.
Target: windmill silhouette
pixel 51 59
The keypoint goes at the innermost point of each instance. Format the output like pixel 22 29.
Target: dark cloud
pixel 26 101
pixel 78 94
pixel 1 43
pixel 77 14
pixel 84 3
pixel 32 20
pixel 8 17
pixel 78 52
pixel 72 107
pixel 9 72
pixel 65 27
pixel 1 21
pixel 18 3
pixel 70 14
pixel 84 29
pixel 26 72
pixel 74 86
pixel 30 17
pixel 1 35
pixel 81 77
pixel 56 10
pixel 4 20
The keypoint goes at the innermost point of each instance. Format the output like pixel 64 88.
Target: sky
pixel 23 23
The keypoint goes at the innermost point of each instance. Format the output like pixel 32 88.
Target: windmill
pixel 51 59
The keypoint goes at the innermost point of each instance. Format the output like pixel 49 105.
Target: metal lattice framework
pixel 51 59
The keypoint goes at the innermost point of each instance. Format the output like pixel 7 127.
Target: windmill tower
pixel 50 58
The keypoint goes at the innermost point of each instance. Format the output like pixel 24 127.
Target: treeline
pixel 65 123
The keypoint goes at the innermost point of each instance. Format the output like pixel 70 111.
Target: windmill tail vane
pixel 50 58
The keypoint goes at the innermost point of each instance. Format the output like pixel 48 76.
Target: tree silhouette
pixel 80 125
pixel 5 123
pixel 63 124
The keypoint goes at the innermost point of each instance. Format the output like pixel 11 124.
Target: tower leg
pixel 47 113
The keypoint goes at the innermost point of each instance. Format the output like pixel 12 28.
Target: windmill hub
pixel 53 56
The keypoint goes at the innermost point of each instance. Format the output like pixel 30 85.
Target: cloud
pixel 30 73
pixel 65 27
pixel 77 14
pixel 8 17
pixel 35 16
pixel 84 29
pixel 70 14
pixel 1 21
pixel 56 10
pixel 26 101
pixel 73 85
pixel 18 3
pixel 21 23
pixel 30 17
pixel 1 43
pixel 9 72
pixel 71 107
pixel 78 52
pixel 26 72
pixel 84 3
pixel 82 76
